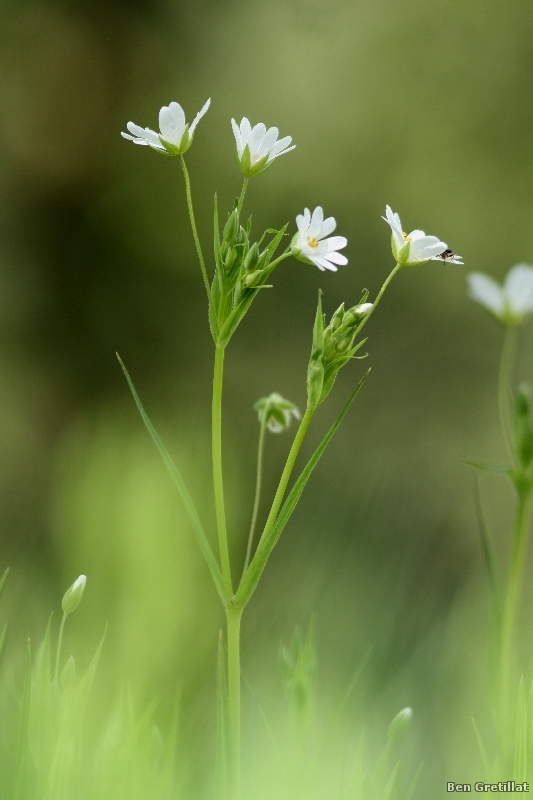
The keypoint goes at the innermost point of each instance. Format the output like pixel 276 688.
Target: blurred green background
pixel 425 106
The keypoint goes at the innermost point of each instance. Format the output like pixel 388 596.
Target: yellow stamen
pixel 312 242
pixel 406 238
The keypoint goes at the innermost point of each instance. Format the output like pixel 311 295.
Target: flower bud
pixel 337 317
pixel 356 314
pixel 72 597
pixel 399 725
pixel 315 370
pixel 68 674
pixel 229 261
pixel 252 258
pixel 278 412
pixel 253 278
pixel 231 227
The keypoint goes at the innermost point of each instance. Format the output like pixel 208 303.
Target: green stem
pixel 514 586
pixel 260 449
pixel 233 617
pixel 504 387
pixel 58 652
pixel 193 226
pixel 243 192
pixel 285 477
pixel 378 298
pixel 217 468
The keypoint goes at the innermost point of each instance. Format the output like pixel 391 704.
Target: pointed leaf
pixel 199 532
pixel 498 468
pixel 482 751
pixel 3 581
pixel 23 765
pixel 253 573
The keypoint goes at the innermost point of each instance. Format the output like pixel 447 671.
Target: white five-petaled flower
pixel 175 137
pixel 311 246
pixel 509 303
pixel 257 147
pixel 415 248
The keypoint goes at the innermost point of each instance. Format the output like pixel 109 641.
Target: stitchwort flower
pixel 510 303
pixel 310 245
pixel 175 137
pixel 279 412
pixel 413 249
pixel 257 147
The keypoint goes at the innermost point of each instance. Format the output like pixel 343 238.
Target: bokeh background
pixel 425 106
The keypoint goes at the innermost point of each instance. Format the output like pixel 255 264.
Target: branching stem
pixel 193 226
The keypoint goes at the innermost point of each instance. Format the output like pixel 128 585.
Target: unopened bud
pixel 72 597
pixel 252 257
pixel 253 278
pixel 229 261
pixel 231 226
pixel 68 674
pixel 336 319
pixel 356 314
pixel 399 725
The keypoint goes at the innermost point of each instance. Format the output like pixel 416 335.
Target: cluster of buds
pixel 333 347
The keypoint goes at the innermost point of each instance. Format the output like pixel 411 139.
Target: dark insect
pixel 449 257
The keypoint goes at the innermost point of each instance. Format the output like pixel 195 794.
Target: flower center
pixel 312 242
pixel 406 238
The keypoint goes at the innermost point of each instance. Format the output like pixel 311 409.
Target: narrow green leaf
pixel 414 782
pixel 23 764
pixel 199 532
pixel 3 581
pixel 490 562
pixel 482 751
pixel 84 687
pixel 252 575
pixel 501 469
pixel 3 639
pixel 392 780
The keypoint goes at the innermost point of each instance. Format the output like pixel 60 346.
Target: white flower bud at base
pixel 72 597
pixel 399 725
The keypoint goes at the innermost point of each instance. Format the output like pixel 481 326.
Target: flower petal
pixel 328 226
pixel 486 291
pixel 256 137
pixel 425 248
pixel 172 123
pixel 518 289
pixel 280 145
pixel 315 226
pixel 335 243
pixel 324 263
pixel 268 142
pixel 238 139
pixel 336 258
pixel 199 116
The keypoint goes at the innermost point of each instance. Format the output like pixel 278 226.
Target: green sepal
pixel 186 498
pixel 252 575
pixel 246 164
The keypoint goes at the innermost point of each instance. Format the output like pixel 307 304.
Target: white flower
pixel 175 137
pixel 307 245
pixel 509 303
pixel 278 410
pixel 415 248
pixel 257 147
pixel 72 597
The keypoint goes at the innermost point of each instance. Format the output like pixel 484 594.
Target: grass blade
pixel 199 532
pixel 253 573
pixel 23 765
pixel 483 752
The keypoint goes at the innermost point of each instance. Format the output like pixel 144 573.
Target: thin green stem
pixel 217 468
pixel 378 298
pixel 243 192
pixel 58 652
pixel 514 586
pixel 233 617
pixel 260 449
pixel 504 387
pixel 193 226
pixel 289 465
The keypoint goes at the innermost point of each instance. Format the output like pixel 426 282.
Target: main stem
pixel 285 477
pixel 514 586
pixel 504 387
pixel 193 226
pixel 233 617
pixel 217 468
pixel 243 192
pixel 260 449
